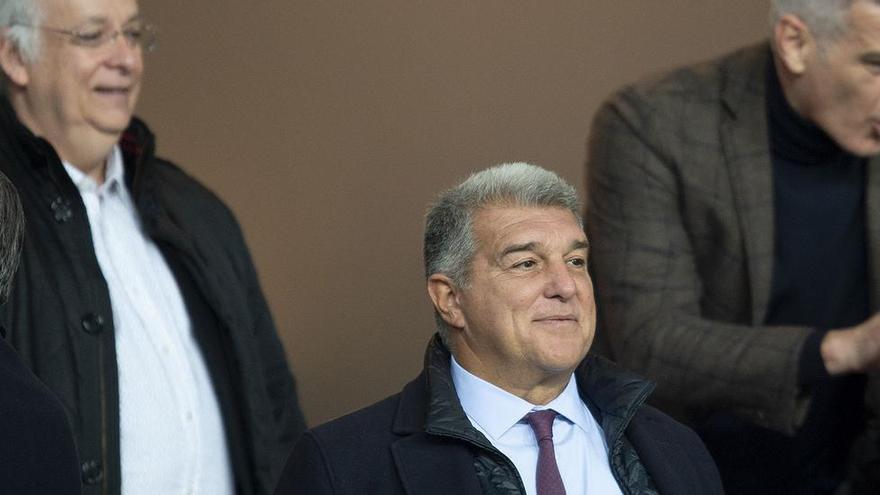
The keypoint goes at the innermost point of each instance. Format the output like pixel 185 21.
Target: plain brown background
pixel 327 126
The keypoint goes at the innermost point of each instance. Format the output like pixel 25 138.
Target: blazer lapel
pixel 746 149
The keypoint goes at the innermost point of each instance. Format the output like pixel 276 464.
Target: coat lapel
pixel 746 149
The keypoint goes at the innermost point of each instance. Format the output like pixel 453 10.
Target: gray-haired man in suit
pixel 735 211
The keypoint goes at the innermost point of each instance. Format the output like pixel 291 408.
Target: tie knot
pixel 542 423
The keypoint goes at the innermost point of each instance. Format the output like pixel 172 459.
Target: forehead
pixel 498 226
pixel 86 10
pixel 863 26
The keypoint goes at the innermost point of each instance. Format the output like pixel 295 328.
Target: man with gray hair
pixel 509 402
pixel 735 207
pixel 136 302
pixel 37 453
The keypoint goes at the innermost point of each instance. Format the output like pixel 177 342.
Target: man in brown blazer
pixel 734 208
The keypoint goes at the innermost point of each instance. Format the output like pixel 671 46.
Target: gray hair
pixel 825 18
pixel 449 238
pixel 16 17
pixel 11 233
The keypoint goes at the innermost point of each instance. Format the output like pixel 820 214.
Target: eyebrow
pixel 530 246
pixel 584 244
pixel 103 19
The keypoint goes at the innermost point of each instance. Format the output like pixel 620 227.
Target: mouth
pixel 113 90
pixel 556 318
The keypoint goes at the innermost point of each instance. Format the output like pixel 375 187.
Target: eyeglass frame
pixel 147 43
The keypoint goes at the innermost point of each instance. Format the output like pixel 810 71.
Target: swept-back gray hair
pixel 449 238
pixel 826 18
pixel 15 18
pixel 11 232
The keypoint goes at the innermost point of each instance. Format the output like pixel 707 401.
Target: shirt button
pixel 188 416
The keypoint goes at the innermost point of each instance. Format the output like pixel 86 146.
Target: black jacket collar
pixel 430 402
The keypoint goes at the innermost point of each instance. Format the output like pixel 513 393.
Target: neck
pixel 535 387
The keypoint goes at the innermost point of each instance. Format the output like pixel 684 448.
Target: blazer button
pixel 93 324
pixel 92 472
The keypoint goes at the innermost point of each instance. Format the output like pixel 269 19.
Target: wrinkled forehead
pixel 498 226
pixel 68 12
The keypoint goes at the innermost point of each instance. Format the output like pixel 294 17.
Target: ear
pixel 793 42
pixel 12 62
pixel 445 296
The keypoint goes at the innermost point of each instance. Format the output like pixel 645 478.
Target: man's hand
pixel 854 349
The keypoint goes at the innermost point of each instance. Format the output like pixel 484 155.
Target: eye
pixel 578 262
pixel 133 33
pixel 90 36
pixel 526 264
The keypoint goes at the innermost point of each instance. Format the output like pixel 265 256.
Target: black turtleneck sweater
pixel 820 279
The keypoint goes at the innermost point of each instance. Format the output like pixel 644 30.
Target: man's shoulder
pixel 167 176
pixel 672 452
pixel 698 83
pixel 376 418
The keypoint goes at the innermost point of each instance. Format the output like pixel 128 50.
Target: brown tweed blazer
pixel 680 217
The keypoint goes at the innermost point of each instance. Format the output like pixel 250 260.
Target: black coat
pixel 37 454
pixel 419 442
pixel 60 319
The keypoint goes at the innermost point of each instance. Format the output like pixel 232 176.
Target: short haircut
pixel 825 18
pixel 11 233
pixel 449 237
pixel 17 18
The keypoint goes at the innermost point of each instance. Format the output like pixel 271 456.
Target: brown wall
pixel 328 125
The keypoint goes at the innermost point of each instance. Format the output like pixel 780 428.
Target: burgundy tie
pixel 548 480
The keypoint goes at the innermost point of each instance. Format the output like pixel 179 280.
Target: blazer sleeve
pixel 306 471
pixel 649 289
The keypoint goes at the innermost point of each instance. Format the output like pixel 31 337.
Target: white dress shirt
pixel 578 441
pixel 171 433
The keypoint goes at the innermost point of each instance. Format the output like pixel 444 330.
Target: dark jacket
pixel 420 442
pixel 37 454
pixel 60 319
pixel 681 221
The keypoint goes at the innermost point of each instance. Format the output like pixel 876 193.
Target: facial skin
pixel 838 88
pixel 527 318
pixel 79 98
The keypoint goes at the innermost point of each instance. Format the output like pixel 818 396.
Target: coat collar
pixel 437 433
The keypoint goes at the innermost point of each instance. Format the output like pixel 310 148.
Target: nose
pixel 561 282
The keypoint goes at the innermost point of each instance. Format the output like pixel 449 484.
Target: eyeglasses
pixel 136 33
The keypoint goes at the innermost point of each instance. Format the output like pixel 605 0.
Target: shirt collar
pixel 506 409
pixel 113 175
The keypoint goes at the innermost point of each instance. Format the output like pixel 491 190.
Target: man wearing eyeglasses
pixel 137 301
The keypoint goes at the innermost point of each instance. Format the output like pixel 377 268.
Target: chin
pixel 113 126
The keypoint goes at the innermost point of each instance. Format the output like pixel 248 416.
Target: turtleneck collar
pixel 792 137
